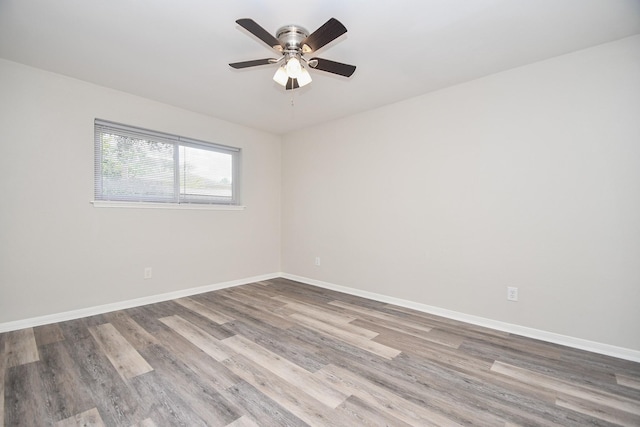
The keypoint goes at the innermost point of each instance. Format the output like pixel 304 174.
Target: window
pixel 138 165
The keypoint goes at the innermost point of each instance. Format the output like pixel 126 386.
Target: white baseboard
pixel 579 343
pixel 121 305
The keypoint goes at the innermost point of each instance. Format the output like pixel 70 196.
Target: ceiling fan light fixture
pixel 281 76
pixel 293 42
pixel 294 68
pixel 304 78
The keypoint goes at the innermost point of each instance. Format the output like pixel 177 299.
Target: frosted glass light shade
pixel 294 68
pixel 304 78
pixel 281 76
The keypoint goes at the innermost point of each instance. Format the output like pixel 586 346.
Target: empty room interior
pixel 325 213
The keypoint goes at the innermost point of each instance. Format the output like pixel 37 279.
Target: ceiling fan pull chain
pixel 292 95
pixel 293 111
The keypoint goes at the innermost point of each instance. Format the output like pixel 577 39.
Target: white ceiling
pixel 177 51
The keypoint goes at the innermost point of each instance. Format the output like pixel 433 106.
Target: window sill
pixel 149 205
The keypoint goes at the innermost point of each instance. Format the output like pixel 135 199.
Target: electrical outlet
pixel 317 260
pixel 148 273
pixel 512 293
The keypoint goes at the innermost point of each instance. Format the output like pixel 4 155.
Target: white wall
pixel 527 178
pixel 59 253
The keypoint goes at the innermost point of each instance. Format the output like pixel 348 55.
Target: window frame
pixel 178 199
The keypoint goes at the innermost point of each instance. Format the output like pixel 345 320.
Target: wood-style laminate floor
pixel 283 353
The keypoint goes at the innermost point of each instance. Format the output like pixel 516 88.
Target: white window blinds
pixel 133 164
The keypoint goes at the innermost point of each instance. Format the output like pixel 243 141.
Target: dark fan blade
pixel 330 30
pixel 292 84
pixel 255 29
pixel 254 63
pixel 334 67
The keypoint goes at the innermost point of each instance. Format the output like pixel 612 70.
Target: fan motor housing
pixel 291 36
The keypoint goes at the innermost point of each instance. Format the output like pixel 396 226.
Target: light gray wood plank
pixel 286 370
pixel 628 381
pixel 445 323
pixel 447 392
pixel 90 418
pixel 122 355
pixel 204 311
pixel 243 294
pixel 323 312
pixel 352 329
pixel 293 398
pixel 600 412
pixel 48 334
pixel 380 325
pixel 263 283
pixel 260 407
pixel 21 348
pixel 581 392
pixel 243 421
pixel 188 389
pixel 301 292
pixel 197 337
pixel 258 290
pixel 115 400
pixel 385 334
pixel 163 402
pixel 384 316
pixel 247 310
pixel 284 343
pixel 382 399
pixel 65 392
pixel 135 334
pixel 434 352
pixel 24 404
pixel 147 422
pixel 217 375
pixel 347 336
pixel 212 328
pixel 364 414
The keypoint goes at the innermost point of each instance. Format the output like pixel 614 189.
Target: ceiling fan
pixel 293 42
